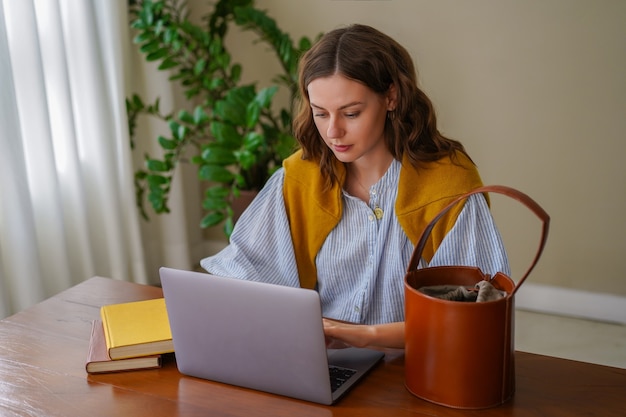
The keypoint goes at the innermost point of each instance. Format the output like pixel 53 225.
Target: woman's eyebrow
pixel 345 106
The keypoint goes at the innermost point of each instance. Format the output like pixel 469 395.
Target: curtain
pixel 67 202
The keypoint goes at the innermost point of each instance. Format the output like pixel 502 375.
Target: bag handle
pixel 499 189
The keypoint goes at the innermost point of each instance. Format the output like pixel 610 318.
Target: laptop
pixel 260 336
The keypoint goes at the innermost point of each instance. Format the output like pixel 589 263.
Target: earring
pixel 391 115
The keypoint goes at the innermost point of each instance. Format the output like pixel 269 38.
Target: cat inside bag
pixel 481 292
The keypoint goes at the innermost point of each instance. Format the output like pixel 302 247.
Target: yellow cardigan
pixel 422 193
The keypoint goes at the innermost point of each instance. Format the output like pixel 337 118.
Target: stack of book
pixel 129 336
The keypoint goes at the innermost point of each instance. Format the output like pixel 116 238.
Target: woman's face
pixel 350 117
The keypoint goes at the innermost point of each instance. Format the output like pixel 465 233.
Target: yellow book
pixel 138 328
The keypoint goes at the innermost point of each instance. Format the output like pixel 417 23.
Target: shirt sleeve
pixel 260 247
pixel 474 240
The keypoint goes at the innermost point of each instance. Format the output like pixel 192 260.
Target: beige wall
pixel 536 90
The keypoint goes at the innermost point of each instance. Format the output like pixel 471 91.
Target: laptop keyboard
pixel 338 376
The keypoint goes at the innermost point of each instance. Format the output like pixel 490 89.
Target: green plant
pixel 233 134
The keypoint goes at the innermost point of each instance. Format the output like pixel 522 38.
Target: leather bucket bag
pixel 461 354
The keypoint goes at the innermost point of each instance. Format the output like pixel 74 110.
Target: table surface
pixel 42 373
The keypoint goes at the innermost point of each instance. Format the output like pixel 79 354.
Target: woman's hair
pixel 368 56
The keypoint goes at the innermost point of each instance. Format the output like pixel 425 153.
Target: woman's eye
pixel 352 115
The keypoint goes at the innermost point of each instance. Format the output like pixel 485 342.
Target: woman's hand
pixel 341 334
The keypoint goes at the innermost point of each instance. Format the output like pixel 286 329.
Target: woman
pixel 344 213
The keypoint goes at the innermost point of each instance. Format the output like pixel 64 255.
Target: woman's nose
pixel 334 129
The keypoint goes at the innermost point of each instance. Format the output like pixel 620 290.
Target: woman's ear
pixel 392 97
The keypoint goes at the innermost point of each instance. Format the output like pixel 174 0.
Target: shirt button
pixel 370 218
pixel 357 309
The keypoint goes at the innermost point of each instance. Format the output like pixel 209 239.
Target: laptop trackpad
pixel 353 363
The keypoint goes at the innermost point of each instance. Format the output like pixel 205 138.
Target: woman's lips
pixel 341 148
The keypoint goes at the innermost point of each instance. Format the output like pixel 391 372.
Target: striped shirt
pixel 362 264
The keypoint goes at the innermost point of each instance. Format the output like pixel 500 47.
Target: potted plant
pixel 233 134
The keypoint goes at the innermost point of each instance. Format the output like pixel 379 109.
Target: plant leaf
pixel 199 115
pixel 253 112
pixel 215 173
pixel 168 63
pixel 214 203
pixel 253 140
pixel 212 219
pixel 199 67
pixel 156 180
pixel 218 155
pixel 185 116
pixel 226 134
pixel 246 159
pixel 218 191
pixel 168 144
pixel 158 54
pixel 228 226
pixel 264 97
pixel 157 165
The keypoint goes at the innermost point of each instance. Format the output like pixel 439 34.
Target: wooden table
pixel 43 350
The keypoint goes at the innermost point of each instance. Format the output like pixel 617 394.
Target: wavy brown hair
pixel 368 56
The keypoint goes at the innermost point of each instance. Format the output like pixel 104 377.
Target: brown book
pixel 98 360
